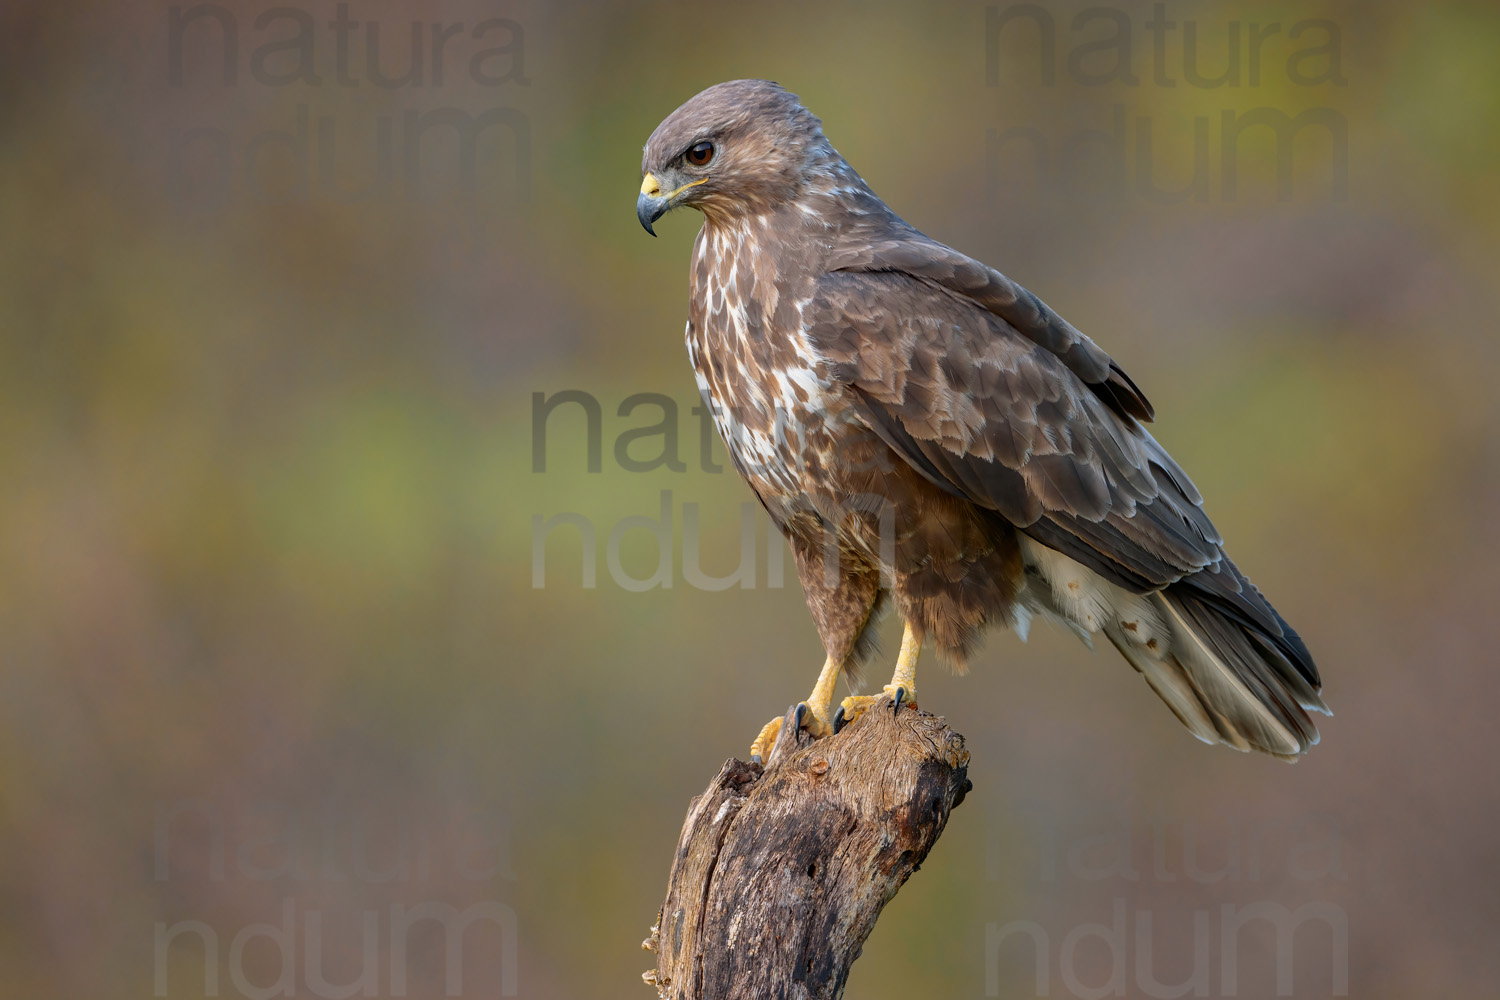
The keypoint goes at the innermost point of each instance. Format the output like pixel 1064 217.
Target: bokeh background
pixel 272 648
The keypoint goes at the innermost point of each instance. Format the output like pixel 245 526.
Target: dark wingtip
pixel 1126 397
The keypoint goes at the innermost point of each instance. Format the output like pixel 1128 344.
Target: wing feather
pixel 904 250
pixel 998 417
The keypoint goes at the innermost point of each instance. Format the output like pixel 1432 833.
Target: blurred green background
pixel 270 641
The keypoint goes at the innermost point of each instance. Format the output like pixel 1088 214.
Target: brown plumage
pixel 922 428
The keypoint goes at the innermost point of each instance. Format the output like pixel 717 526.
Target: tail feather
pixel 1228 680
pixel 1210 645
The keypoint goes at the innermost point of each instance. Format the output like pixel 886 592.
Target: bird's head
pixel 736 149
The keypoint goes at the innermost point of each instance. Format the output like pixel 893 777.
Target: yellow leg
pixel 822 692
pixel 902 688
pixel 815 719
pixel 906 663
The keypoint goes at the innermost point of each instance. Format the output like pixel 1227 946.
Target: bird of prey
pixel 928 433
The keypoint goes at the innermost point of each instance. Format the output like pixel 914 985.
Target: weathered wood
pixel 781 872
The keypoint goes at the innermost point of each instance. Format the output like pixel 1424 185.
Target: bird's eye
pixel 700 154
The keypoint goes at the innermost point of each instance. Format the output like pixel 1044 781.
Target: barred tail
pixel 1230 679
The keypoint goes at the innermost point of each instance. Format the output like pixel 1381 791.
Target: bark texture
pixel 781 871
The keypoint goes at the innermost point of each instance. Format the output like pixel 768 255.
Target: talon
pixel 854 706
pixel 838 720
pixel 760 750
pixel 814 721
pixel 900 695
pixel 810 715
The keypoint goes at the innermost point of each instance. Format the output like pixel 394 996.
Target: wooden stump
pixel 781 871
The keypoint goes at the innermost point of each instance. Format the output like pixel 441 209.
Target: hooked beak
pixel 651 205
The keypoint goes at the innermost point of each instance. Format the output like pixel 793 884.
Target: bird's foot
pixel 808 718
pixel 855 705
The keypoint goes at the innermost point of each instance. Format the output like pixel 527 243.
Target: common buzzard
pixel 924 430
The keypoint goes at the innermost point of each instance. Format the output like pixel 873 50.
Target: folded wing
pixel 994 398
